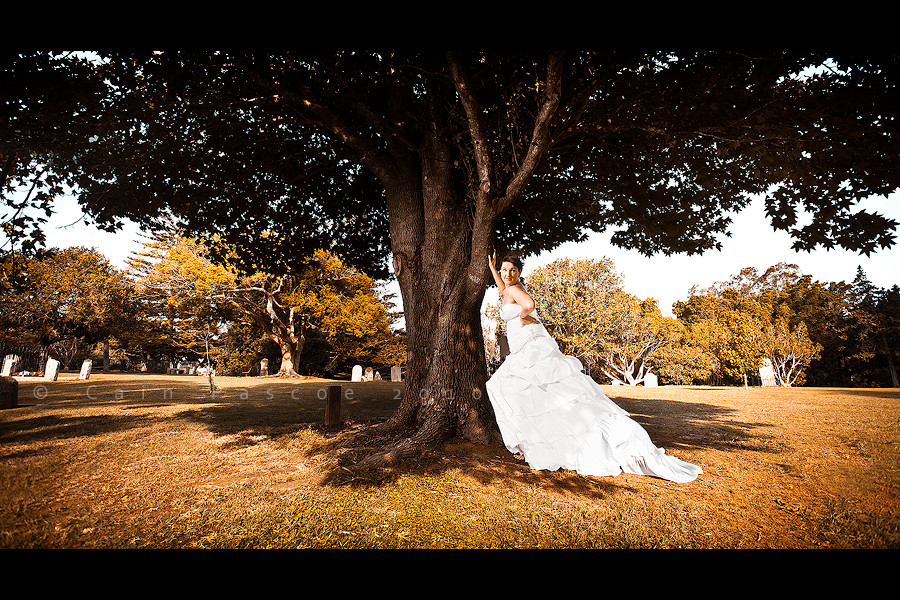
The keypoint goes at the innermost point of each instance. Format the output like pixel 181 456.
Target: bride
pixel 555 415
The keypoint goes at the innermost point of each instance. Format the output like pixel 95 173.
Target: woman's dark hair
pixel 514 259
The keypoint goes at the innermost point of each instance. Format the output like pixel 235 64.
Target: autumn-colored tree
pixel 789 349
pixel 322 296
pixel 576 303
pixel 727 327
pixel 68 300
pixel 583 306
pixel 641 331
pixel 755 316
pixel 749 282
pixel 826 311
pixel 684 361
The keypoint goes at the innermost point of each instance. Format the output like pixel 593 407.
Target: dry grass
pixel 156 462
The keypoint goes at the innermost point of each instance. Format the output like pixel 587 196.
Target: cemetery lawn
pixel 153 461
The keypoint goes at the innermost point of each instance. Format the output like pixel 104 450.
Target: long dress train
pixel 556 416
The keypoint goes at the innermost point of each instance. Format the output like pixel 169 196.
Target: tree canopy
pixel 659 145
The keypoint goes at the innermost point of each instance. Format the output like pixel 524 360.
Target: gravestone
pixel 767 373
pixel 368 376
pixel 9 365
pixel 650 380
pixel 264 367
pixel 86 367
pixel 51 372
pixel 396 374
pixel 377 375
pixel 9 393
pixel 357 373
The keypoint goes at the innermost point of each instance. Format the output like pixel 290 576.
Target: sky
pixel 667 279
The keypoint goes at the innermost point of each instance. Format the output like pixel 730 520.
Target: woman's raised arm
pixel 500 285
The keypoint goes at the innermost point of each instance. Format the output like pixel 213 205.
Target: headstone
pixel 396 374
pixel 650 380
pixel 9 365
pixel 9 393
pixel 368 374
pixel 767 373
pixel 264 367
pixel 377 375
pixel 51 372
pixel 86 367
pixel 357 373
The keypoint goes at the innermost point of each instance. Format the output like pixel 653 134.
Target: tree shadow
pixel 887 393
pixel 681 424
pixel 249 412
pixel 50 428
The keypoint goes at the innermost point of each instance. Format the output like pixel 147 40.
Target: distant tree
pixel 874 332
pixel 683 361
pixel 789 349
pixel 68 299
pixel 780 314
pixel 888 307
pixel 641 331
pixel 728 327
pixel 577 302
pixel 750 282
pixel 825 311
pixel 319 296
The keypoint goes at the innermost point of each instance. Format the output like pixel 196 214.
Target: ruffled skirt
pixel 557 417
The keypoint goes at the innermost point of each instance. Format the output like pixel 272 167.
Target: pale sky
pixel 753 243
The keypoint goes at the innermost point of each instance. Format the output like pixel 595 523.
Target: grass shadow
pixel 678 423
pixel 251 410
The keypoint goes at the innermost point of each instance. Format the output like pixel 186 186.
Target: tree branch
pixel 477 130
pixel 540 138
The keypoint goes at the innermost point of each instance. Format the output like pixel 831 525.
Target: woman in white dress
pixel 555 415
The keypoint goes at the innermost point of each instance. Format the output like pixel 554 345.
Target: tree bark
pixel 440 255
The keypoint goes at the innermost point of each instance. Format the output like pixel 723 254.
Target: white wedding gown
pixel 556 416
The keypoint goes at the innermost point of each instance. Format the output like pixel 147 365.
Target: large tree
pixel 436 159
pixel 321 298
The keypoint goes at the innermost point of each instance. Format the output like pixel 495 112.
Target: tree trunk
pixel 290 355
pixel 440 260
pixel 442 220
